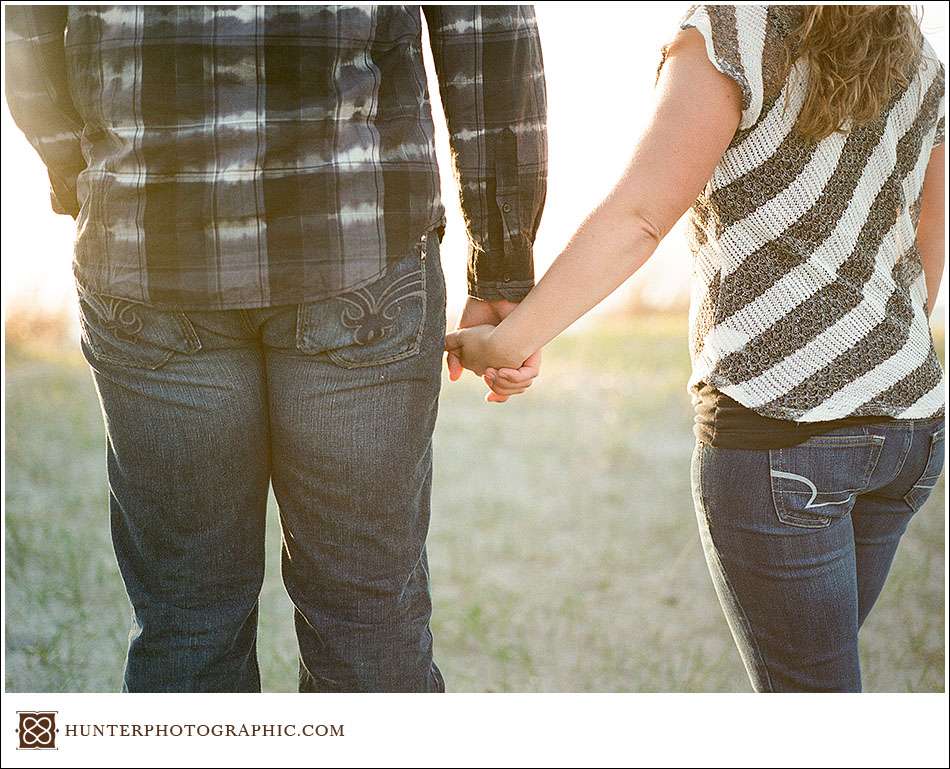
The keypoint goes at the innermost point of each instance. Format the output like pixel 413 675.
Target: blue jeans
pixel 333 403
pixel 799 542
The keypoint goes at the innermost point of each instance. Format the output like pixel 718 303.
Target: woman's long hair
pixel 857 56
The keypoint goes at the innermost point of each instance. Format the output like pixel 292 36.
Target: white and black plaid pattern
pixel 249 156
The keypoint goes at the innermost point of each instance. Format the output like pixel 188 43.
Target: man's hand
pixel 504 382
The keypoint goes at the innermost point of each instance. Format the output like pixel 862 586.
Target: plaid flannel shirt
pixel 222 157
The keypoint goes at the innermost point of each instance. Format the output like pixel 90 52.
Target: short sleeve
pixel 735 40
pixel 932 70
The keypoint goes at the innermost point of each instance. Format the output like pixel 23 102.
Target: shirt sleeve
pixel 735 40
pixel 491 80
pixel 37 94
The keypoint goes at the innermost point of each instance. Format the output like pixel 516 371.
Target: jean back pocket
pixel 126 333
pixel 817 481
pixel 381 322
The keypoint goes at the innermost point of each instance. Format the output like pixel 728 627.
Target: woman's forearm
pixel 609 247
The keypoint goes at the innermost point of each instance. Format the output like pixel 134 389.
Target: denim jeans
pixel 331 402
pixel 799 542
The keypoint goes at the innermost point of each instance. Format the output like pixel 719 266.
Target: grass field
pixel 563 551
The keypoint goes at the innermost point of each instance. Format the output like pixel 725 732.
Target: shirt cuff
pixel 502 274
pixel 63 198
pixel 513 291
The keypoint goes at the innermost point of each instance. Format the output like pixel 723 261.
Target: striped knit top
pixel 808 296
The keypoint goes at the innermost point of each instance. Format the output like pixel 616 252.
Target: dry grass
pixel 564 553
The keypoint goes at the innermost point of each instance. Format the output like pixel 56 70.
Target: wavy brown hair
pixel 858 56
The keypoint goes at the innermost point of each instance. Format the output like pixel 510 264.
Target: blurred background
pixel 564 553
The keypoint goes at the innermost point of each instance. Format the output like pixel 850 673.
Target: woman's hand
pixel 478 349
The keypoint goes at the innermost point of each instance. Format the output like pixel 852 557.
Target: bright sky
pixel 600 60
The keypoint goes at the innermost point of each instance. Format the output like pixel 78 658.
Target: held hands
pixel 472 346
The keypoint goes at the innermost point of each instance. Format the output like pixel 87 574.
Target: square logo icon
pixel 37 730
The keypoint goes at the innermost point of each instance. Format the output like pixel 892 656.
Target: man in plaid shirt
pixel 262 303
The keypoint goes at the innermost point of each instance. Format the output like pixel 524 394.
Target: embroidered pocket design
pixel 372 317
pixel 126 333
pixel 379 323
pixel 120 317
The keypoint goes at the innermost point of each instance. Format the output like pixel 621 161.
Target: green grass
pixel 563 550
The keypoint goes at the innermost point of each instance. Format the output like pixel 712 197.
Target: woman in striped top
pixel 807 144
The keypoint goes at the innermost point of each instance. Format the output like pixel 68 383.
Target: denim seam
pixel 831 493
pixel 188 329
pixel 129 362
pixel 301 329
pixel 745 618
pixel 246 322
pixel 910 444
pixel 867 439
pixel 875 457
